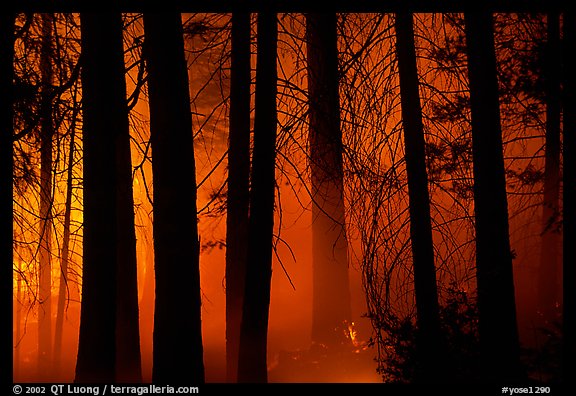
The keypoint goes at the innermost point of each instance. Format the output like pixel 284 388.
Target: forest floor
pixel 344 364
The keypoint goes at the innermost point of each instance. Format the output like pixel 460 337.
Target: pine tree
pixel 429 337
pixel 331 306
pixel 6 171
pixel 496 301
pixel 252 366
pixel 177 340
pixel 238 187
pixel 102 118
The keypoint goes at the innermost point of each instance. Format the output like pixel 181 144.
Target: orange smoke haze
pixel 289 335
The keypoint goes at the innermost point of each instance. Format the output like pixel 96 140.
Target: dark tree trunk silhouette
pixel 331 306
pixel 254 326
pixel 496 301
pixel 18 323
pixel 128 355
pixel 238 187
pixel 569 185
pixel 63 288
pixel 177 323
pixel 111 225
pixel 6 171
pixel 103 116
pixel 46 199
pixel 147 316
pixel 429 336
pixel 549 271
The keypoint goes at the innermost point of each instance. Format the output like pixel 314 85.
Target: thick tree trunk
pixel 46 199
pixel 549 271
pixel 331 306
pixel 107 141
pixel 238 187
pixel 254 327
pixel 177 321
pixel 569 185
pixel 6 172
pixel 103 117
pixel 496 300
pixel 429 338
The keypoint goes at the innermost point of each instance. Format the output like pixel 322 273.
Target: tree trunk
pixel 429 337
pixel 177 323
pixel 569 185
pixel 107 142
pixel 254 328
pixel 128 355
pixel 496 301
pixel 147 314
pixel 46 199
pixel 549 271
pixel 64 257
pixel 103 118
pixel 238 187
pixel 6 172
pixel 331 307
pixel 18 322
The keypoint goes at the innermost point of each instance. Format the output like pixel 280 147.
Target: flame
pixel 353 334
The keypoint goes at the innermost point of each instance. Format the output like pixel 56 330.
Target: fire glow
pixel 345 281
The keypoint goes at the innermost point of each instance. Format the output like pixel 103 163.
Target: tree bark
pixel 254 326
pixel 496 301
pixel 429 336
pixel 549 271
pixel 103 117
pixel 331 306
pixel 18 323
pixel 569 185
pixel 109 232
pixel 64 259
pixel 46 200
pixel 177 321
pixel 6 173
pixel 128 355
pixel 238 187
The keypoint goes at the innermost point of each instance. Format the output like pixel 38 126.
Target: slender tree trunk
pixel 331 307
pixel 45 231
pixel 64 257
pixel 496 300
pixel 429 338
pixel 549 272
pixel 238 187
pixel 147 318
pixel 569 187
pixel 18 324
pixel 108 348
pixel 252 366
pixel 6 172
pixel 128 355
pixel 177 341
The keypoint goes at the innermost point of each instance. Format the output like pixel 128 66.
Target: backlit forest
pixel 287 197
